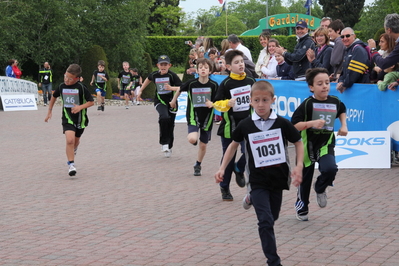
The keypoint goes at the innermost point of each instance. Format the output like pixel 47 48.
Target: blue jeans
pixel 230 167
pixel 267 205
pixel 47 92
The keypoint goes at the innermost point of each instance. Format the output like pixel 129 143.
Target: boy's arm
pixel 343 131
pixel 50 108
pixel 77 108
pixel 92 80
pixel 145 84
pixel 173 102
pixel 228 155
pixel 296 173
pixel 319 123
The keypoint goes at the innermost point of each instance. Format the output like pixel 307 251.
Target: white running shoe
pixel 302 217
pixel 246 201
pixel 71 170
pixel 322 199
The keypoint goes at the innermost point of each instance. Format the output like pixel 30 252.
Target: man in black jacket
pixel 298 58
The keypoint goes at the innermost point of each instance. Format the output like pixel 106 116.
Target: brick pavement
pixel 130 206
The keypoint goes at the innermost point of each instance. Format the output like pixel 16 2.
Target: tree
pixel 234 26
pixel 348 11
pixel 164 18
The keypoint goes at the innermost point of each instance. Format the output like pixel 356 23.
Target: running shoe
pixel 71 170
pixel 246 201
pixel 197 170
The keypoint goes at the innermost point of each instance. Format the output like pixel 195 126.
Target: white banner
pixel 363 149
pixel 18 102
pixel 181 112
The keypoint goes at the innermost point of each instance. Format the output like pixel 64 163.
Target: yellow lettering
pixel 278 22
pixel 312 22
pixel 287 20
pixel 272 22
pixel 293 20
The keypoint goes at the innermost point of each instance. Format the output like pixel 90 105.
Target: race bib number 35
pixel 200 95
pixel 267 148
pixel 160 84
pixel 327 112
pixel 70 97
pixel 241 94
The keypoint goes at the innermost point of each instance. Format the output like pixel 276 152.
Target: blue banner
pixel 367 108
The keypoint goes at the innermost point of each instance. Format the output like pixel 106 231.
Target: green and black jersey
pixel 318 142
pixel 98 81
pixel 197 113
pixel 76 94
pixel 163 96
pixel 238 89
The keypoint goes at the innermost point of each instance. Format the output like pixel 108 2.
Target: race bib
pixel 45 77
pixel 267 148
pixel 70 97
pixel 160 83
pixel 99 77
pixel 200 95
pixel 126 79
pixel 241 94
pixel 327 112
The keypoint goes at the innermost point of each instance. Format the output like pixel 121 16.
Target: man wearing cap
pixel 298 58
pixel 235 43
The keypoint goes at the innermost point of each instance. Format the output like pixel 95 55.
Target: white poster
pixel 18 102
pixel 182 105
pixel 363 149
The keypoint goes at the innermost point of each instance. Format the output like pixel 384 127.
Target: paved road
pixel 131 206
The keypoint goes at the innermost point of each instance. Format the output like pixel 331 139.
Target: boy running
pixel 125 83
pixel 200 93
pixel 100 78
pixel 166 82
pixel 75 98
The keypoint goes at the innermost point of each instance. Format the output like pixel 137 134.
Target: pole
pixel 226 17
pixel 267 13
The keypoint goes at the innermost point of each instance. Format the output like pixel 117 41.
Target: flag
pixel 307 5
pixel 218 14
pixel 221 1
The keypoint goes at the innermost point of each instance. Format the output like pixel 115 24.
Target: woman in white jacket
pixel 263 58
pixel 268 70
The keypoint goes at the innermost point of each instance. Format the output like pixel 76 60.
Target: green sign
pixel 287 20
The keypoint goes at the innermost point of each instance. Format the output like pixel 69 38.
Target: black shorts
pixel 78 131
pixel 204 136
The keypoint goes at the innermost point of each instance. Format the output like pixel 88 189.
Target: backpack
pixel 367 73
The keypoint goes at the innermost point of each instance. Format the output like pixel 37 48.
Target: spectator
pixel 46 82
pixel 320 56
pixel 9 69
pixel 235 43
pixel 387 44
pixel 391 25
pixel 356 61
pixel 297 58
pixel 269 70
pixel 284 70
pixel 338 51
pixel 17 71
pixel 392 75
pixel 208 45
pixel 325 22
pixel 263 58
pixel 224 46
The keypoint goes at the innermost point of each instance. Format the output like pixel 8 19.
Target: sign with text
pixel 18 102
pixel 363 149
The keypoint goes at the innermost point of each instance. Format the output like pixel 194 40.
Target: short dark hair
pixel 228 57
pixel 205 61
pixel 311 73
pixel 233 38
pixel 135 70
pixel 262 85
pixel 10 62
pixel 101 63
pixel 75 70
pixel 337 25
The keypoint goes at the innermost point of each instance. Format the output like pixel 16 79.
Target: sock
pixel 198 163
pixel 71 162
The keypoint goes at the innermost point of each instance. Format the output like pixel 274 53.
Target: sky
pixel 193 5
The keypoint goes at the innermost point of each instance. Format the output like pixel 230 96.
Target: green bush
pixel 149 91
pixel 89 64
pixel 378 34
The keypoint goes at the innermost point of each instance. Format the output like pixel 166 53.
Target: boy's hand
pixel 219 176
pixel 172 104
pixel 167 87
pixel 319 123
pixel 208 103
pixel 76 109
pixel 232 102
pixel 139 96
pixel 296 175
pixel 48 117
pixel 343 131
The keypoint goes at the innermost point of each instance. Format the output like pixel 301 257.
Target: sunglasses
pixel 347 36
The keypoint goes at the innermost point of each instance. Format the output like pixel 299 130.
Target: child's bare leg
pixel 193 138
pixel 70 144
pixel 99 98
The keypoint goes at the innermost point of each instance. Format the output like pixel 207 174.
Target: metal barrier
pixel 18 86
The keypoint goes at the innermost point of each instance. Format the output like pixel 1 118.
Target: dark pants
pixel 328 169
pixel 267 206
pixel 230 167
pixel 47 92
pixel 166 125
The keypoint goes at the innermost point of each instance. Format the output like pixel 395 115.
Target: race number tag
pixel 126 79
pixel 200 95
pixel 45 77
pixel 327 112
pixel 267 148
pixel 70 97
pixel 160 83
pixel 99 77
pixel 241 94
